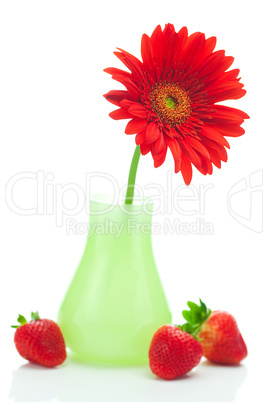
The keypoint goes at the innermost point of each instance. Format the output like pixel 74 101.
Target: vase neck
pixel 120 220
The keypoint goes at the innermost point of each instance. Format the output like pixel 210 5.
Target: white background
pixel 55 126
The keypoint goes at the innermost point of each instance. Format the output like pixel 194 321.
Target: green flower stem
pixel 132 175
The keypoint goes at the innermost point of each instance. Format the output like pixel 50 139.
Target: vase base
pixel 119 345
pixel 91 360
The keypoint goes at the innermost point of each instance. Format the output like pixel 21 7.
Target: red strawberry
pixel 40 341
pixel 217 332
pixel 173 352
pixel 221 339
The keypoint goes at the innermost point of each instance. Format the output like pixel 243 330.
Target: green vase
pixel 115 301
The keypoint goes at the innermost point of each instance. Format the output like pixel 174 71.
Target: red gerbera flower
pixel 171 98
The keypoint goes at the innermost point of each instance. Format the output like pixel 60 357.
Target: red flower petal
pixel 117 74
pixel 197 145
pixel 139 139
pixel 189 152
pixel 176 152
pixel 131 62
pixel 116 97
pixel 135 125
pixel 209 46
pixel 229 76
pixel 132 88
pixel 158 144
pixel 120 114
pixel 172 46
pixel 221 151
pixel 206 166
pixel 126 103
pixel 211 63
pixel 168 30
pixel 160 158
pixel 223 91
pixel 116 71
pixel 157 49
pixel 136 109
pixel 215 158
pixel 146 52
pixel 193 49
pixel 186 170
pixel 223 65
pixel 213 134
pixel 230 130
pixel 152 133
pixel 228 115
pixel 145 148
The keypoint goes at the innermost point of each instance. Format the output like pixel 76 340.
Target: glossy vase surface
pixel 115 301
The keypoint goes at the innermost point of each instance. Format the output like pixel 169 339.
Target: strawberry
pixel 173 352
pixel 217 332
pixel 40 341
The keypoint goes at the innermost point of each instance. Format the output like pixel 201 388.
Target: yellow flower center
pixel 171 104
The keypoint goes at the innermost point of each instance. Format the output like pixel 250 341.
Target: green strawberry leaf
pixel 203 306
pixel 193 306
pixel 188 316
pixel 21 320
pixel 186 327
pixel 35 316
pixel 194 317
